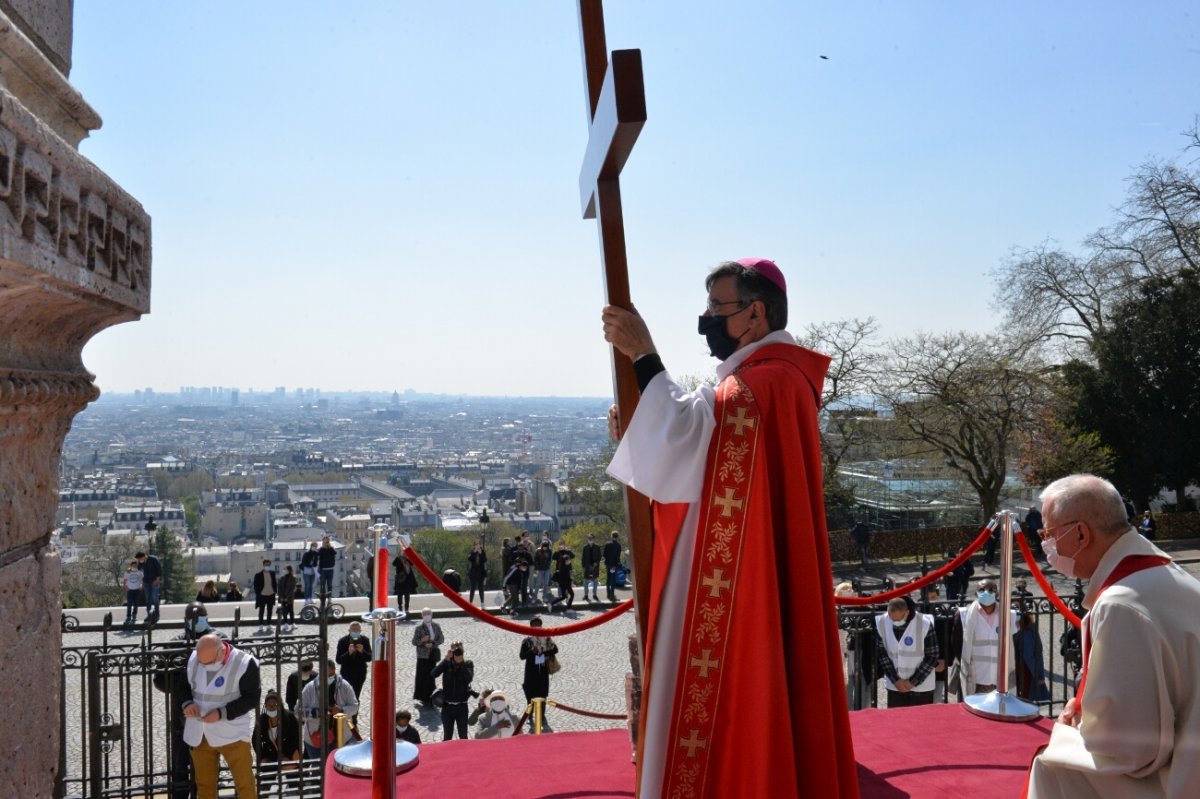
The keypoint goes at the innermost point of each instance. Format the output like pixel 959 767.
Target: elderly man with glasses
pixel 1133 729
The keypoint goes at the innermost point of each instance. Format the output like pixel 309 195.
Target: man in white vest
pixel 975 642
pixel 219 705
pixel 1133 729
pixel 908 653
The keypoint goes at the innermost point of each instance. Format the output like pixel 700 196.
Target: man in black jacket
pixel 326 560
pixel 612 561
pixel 354 657
pixel 522 560
pixel 308 571
pixel 152 573
pixel 266 584
pixel 296 682
pixel 457 675
pixel 591 569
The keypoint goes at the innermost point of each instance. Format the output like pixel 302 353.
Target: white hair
pixel 1089 499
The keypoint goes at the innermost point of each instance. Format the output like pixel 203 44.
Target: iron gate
pixel 121 730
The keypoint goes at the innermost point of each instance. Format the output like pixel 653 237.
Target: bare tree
pixel 1055 295
pixel 853 347
pixel 966 396
pixel 1049 293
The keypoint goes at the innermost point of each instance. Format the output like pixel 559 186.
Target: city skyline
pixel 386 196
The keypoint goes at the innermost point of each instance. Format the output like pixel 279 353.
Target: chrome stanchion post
pixel 1000 704
pixel 369 758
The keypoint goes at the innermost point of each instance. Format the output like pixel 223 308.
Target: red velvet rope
pixel 1055 600
pixel 920 582
pixel 589 713
pixel 505 624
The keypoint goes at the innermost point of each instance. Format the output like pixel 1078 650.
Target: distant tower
pixel 395 398
pixel 233 396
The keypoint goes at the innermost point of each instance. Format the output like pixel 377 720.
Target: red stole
pixel 760 635
pixel 1131 564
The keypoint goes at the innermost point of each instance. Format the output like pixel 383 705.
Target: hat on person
pixel 767 268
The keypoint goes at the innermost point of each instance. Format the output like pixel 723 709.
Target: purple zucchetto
pixel 766 268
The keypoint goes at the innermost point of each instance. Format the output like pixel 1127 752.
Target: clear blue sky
pixel 382 195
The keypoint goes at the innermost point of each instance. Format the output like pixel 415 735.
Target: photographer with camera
pixel 538 654
pixel 456 675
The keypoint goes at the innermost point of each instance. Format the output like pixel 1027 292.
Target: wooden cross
pixel 616 112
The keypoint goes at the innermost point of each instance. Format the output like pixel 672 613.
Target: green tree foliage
pixel 443 549
pixel 1143 393
pixel 1054 445
pixel 191 514
pixel 176 486
pixel 600 498
pixel 178 575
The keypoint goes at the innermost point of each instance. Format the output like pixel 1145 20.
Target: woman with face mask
pixel 427 637
pixel 276 738
pixel 405 731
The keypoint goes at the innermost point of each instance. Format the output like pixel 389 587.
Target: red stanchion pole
pixel 383 686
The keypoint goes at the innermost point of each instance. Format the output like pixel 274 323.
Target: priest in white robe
pixel 1133 729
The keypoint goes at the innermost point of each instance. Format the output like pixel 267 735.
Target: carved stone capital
pixel 74 252
pixel 74 259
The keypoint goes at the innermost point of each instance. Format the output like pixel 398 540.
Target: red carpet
pixel 942 751
pixel 561 765
pixel 938 751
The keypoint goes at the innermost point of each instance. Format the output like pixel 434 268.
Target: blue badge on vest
pixel 997 629
pixel 908 640
pixel 219 681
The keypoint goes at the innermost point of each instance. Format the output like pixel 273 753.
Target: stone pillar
pixel 74 259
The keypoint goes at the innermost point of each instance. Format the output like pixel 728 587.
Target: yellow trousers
pixel 206 763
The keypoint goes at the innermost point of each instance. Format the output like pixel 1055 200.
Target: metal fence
pixel 121 724
pixel 1057 642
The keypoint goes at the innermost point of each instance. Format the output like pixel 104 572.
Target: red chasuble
pixel 760 640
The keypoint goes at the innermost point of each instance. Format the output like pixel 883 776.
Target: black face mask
pixel 720 344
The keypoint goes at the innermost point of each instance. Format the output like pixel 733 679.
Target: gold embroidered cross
pixel 715 584
pixel 693 742
pixel 705 662
pixel 728 503
pixel 739 421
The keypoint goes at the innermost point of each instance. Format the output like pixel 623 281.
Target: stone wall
pixel 74 259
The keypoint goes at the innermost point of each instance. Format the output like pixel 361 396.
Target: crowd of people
pixel 216 700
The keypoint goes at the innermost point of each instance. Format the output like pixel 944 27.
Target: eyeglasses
pixel 713 307
pixel 1044 532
